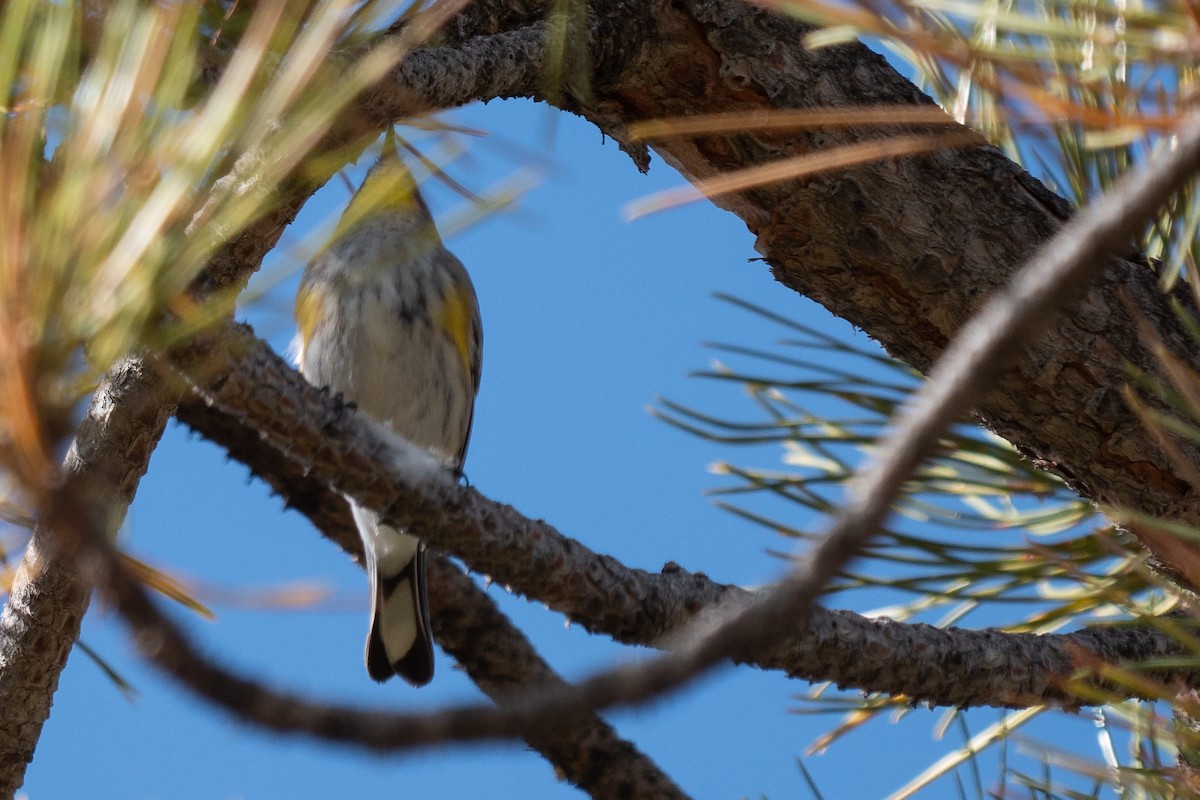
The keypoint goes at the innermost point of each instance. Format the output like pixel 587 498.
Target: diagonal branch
pixel 700 64
pixel 551 709
pixel 45 607
pixel 1007 322
pixel 906 253
pixel 586 750
pixel 950 667
pixel 467 624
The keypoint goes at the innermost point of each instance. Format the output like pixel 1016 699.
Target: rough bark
pixel 329 446
pixel 908 249
pixel 44 611
pixel 37 630
pixel 466 623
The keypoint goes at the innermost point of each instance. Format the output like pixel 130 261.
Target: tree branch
pixel 551 709
pixel 45 608
pixel 586 750
pixel 165 645
pixel 466 623
pixel 837 238
pixel 1008 321
pixel 327 446
pixel 907 253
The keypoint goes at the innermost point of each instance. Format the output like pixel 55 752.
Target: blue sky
pixel 587 320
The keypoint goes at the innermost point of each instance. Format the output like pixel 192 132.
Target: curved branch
pixel 550 710
pixel 711 56
pixel 587 751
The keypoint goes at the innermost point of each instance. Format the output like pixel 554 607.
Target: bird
pixel 388 319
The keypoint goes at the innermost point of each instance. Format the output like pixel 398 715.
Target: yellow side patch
pixel 308 313
pixel 456 322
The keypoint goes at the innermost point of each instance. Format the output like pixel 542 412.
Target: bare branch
pixel 163 643
pixel 1007 322
pixel 906 253
pixel 467 624
pixel 482 68
pixel 485 17
pixel 45 608
pixel 1099 461
pixel 843 240
pixel 947 667
pixel 586 750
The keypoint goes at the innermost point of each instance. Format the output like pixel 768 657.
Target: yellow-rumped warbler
pixel 388 318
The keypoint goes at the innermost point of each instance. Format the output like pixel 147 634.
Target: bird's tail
pixel 400 641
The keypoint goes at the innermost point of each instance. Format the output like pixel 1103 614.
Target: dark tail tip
pixel 378 667
pixel 416 667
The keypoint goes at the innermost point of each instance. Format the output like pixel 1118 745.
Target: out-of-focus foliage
pixel 121 129
pixel 136 140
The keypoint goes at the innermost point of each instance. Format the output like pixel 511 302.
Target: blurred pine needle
pixel 136 139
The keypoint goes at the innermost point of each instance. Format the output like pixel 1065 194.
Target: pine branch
pixel 909 252
pixel 329 446
pixel 1083 435
pixel 466 623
